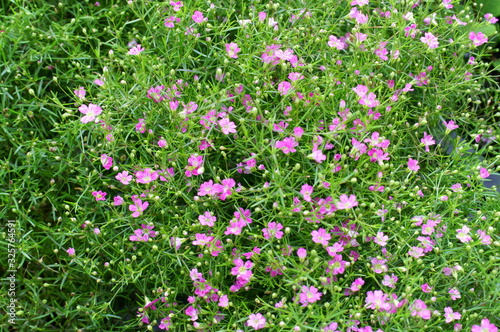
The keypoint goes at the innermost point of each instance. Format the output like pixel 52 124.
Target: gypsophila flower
pixel 430 40
pixel 486 326
pixel 91 112
pixel 136 50
pixel 257 321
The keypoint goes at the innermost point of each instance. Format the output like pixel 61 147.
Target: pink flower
pixel 99 195
pixel 483 173
pixel 427 141
pixel 447 4
pixel 426 288
pixel 321 236
pixel 381 239
pixel 454 294
pixel 106 161
pixel 99 82
pixel 91 112
pixel 138 207
pixel 257 321
pixel 177 5
pixel 306 192
pixel 430 40
pixel 346 202
pixel 223 301
pixel 147 175
pixel 478 38
pixel 284 87
pixel 118 200
pixel 338 43
pixel 413 165
pixel 450 316
pixel 490 18
pixel 141 126
pixel 80 92
pixel 207 219
pixel 463 234
pixel 302 253
pixel 419 308
pixel 450 125
pixel 390 281
pixel 273 230
pixel 309 295
pixel 170 21
pixel 198 17
pixel 232 50
pixel 287 145
pixel 136 50
pixel 124 177
pixel 227 126
pixel 377 301
pixel 71 251
pixel 486 326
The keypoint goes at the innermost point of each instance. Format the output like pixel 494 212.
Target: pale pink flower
pixel 463 234
pixel 98 82
pixel 450 125
pixel 232 50
pixel 309 295
pixel 257 321
pixel 419 308
pixel 450 316
pixel 381 239
pixel 176 5
pixel 99 195
pixel 207 219
pixel 147 175
pixel 413 165
pixel 223 301
pixel 287 145
pixel 306 192
pixel 490 18
pixel 124 177
pixel 430 40
pixel 138 207
pixel 478 38
pixel 136 50
pixel 227 126
pixel 483 173
pixel 91 112
pixel 273 230
pixel 321 236
pixel 427 141
pixel 302 253
pixel 346 202
pixel 486 326
pixel 426 288
pixel 454 293
pixel 376 300
pixel 284 87
pixel 118 200
pixel 80 92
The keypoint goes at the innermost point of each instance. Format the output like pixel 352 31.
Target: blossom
pixel 346 202
pixel 287 145
pixel 91 112
pixel 478 38
pixel 450 316
pixel 454 293
pixel 427 141
pixel 232 50
pixel 309 295
pixel 463 234
pixel 124 177
pixel 273 230
pixel 302 253
pixel 306 192
pixel 176 5
pixel 338 43
pixel 381 239
pixel 71 251
pixel 483 173
pixel 147 175
pixel 284 87
pixel 257 321
pixel 486 326
pixel 227 126
pixel 143 234
pixel 80 92
pixel 430 40
pixel 207 219
pixel 426 288
pixel 136 50
pixel 106 161
pixel 198 17
pixel 450 125
pixel 138 207
pixel 419 308
pixel 118 200
pixel 490 18
pixel 413 165
pixel 170 21
pixel 321 236
pixel 99 195
pixel 390 281
pixel 376 300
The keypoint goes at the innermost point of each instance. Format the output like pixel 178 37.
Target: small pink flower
pixel 232 50
pixel 321 236
pixel 91 112
pixel 483 173
pixel 198 17
pixel 426 288
pixel 454 293
pixel 346 202
pixel 124 177
pixel 99 82
pixel 106 161
pixel 490 18
pixel 138 207
pixel 287 145
pixel 162 143
pixel 486 326
pixel 450 125
pixel 227 126
pixel 478 38
pixel 257 321
pixel 302 253
pixel 419 308
pixel 118 200
pixel 450 316
pixel 306 192
pixel 427 141
pixel 413 165
pixel 136 50
pixel 309 295
pixel 430 40
pixel 80 92
pixel 284 87
pixel 71 251
pixel 99 195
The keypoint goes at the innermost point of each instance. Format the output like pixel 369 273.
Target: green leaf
pixel 490 6
pixel 488 30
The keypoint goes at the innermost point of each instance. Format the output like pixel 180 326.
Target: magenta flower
pixel 346 202
pixel 376 300
pixel 136 50
pixel 209 188
pixel 71 251
pixel 483 173
pixel 427 141
pixel 413 165
pixel 490 18
pixel 232 50
pixel 143 234
pixel 450 125
pixel 106 161
pixel 454 293
pixel 426 288
pixel 155 93
pixel 207 219
pixel 309 295
pixel 91 112
pixel 141 126
pixel 198 17
pixel 124 177
pixel 223 301
pixel 138 207
pixel 338 43
pixel 257 321
pixel 478 38
pixel 302 253
pixel 450 316
pixel 486 326
pixel 306 192
pixel 284 87
pixel 430 40
pixel 99 195
pixel 99 82
pixel 287 145
pixel 273 230
pixel 176 5
pixel 321 236
pixel 241 267
pixel 118 200
pixel 147 175
pixel 170 21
